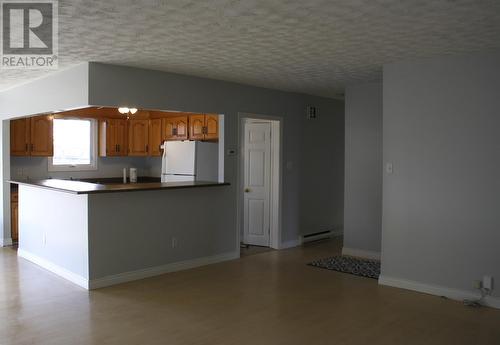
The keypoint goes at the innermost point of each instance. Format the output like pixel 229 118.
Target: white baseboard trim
pixel 361 253
pixel 49 266
pixel 451 293
pixel 159 270
pixel 5 242
pixel 290 244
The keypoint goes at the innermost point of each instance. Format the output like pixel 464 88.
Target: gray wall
pixel 134 231
pixel 321 168
pixel 363 167
pixel 116 85
pixel 441 219
pixel 109 85
pixel 55 229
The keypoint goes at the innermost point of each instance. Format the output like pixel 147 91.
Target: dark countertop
pixel 111 185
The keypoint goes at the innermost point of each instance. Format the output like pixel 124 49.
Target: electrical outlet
pixel 389 168
pixel 174 242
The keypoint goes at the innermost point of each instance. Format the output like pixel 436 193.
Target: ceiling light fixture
pixel 127 111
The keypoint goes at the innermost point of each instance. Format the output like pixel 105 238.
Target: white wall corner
pixel 436 290
pixel 58 270
pixel 361 253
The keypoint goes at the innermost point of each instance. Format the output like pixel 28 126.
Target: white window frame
pixel 93 149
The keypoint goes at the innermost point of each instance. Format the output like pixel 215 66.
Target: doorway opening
pixel 260 181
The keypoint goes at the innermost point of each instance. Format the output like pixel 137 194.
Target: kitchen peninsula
pixel 97 235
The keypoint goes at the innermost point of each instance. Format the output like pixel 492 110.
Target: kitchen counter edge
pixel 78 187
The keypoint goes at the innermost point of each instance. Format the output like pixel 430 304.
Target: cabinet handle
pixel 205 130
pixel 32 147
pixel 147 148
pixel 26 147
pixel 174 131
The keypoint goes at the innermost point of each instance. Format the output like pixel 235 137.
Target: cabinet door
pixel 155 137
pixel 41 136
pixel 138 139
pixel 20 137
pixel 113 137
pixel 110 138
pixel 168 125
pixel 181 125
pixel 197 124
pixel 14 228
pixel 119 129
pixel 211 127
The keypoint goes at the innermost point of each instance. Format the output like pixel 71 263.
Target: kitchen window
pixel 75 145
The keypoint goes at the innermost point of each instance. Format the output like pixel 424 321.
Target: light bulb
pixel 133 111
pixel 123 110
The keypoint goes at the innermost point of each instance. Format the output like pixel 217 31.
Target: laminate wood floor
pixel 267 298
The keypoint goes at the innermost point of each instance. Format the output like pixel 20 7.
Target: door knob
pixel 247 190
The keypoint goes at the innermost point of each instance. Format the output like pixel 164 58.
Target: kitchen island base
pixel 102 239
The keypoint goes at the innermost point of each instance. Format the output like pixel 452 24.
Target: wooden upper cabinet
pixel 121 136
pixel 168 128
pixel 197 127
pixel 155 137
pixel 211 127
pixel 182 125
pixel 138 137
pixel 41 142
pixel 113 137
pixel 204 127
pixel 20 137
pixel 176 128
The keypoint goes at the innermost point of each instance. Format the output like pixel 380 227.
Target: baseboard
pixel 454 294
pixel 159 270
pixel 5 242
pixel 50 266
pixel 361 253
pixel 290 244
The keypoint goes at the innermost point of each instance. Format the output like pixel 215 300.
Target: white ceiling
pixel 311 46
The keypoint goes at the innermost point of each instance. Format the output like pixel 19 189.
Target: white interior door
pixel 257 180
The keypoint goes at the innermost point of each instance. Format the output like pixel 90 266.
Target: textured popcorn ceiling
pixel 311 46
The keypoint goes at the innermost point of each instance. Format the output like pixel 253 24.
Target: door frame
pixel 276 191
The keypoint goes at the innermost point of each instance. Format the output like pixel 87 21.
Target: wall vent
pixel 312 112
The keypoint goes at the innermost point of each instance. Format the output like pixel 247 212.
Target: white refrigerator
pixel 189 161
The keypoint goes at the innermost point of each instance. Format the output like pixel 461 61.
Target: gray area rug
pixel 348 264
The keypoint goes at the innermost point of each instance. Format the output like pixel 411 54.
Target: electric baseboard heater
pixel 317 236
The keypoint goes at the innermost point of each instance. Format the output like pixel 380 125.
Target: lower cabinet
pixel 14 217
